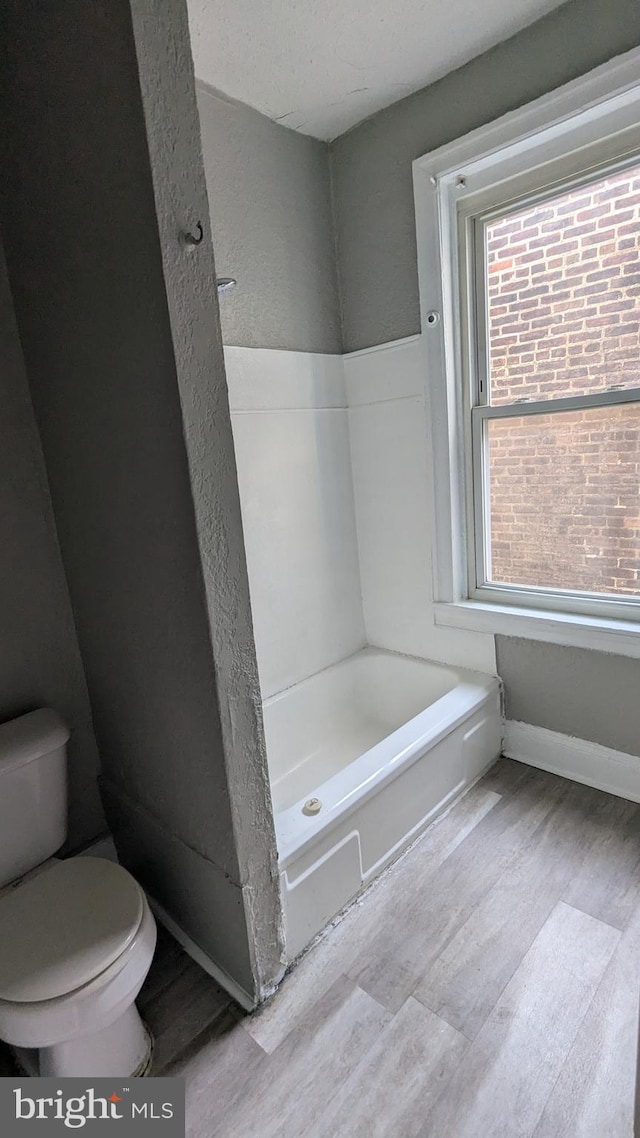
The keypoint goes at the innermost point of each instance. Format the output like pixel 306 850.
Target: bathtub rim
pixel 367 774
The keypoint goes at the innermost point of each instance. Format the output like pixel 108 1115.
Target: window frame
pixel 559 142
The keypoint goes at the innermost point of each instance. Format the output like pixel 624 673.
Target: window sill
pixel 620 637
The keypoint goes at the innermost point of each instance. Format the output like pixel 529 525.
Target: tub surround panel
pixel 266 379
pixel 391 465
pixel 385 372
pixel 299 526
pixel 390 488
pixel 333 466
pixel 294 472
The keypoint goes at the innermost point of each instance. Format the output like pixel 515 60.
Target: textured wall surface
pixel 271 225
pixel 371 165
pixel 86 267
pixel 173 134
pixel 589 695
pixel 40 663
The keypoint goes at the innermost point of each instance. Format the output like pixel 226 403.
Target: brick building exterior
pixel 564 318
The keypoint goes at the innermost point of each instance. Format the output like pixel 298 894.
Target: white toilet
pixel 77 936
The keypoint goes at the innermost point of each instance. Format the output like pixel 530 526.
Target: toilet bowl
pixel 76 943
pixel 77 936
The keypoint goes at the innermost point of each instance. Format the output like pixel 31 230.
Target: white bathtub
pixel 384 742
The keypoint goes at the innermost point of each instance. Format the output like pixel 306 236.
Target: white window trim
pixel 605 101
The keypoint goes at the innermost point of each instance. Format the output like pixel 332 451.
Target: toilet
pixel 77 935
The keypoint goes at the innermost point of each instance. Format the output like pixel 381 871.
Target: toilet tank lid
pixel 30 737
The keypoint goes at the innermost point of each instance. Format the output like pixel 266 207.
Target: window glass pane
pixel 563 293
pixel 564 499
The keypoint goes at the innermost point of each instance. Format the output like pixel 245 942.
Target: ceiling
pixel 321 66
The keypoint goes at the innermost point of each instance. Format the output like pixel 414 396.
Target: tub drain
pixel 312 806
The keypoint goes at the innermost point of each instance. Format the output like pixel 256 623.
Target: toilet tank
pixel 33 791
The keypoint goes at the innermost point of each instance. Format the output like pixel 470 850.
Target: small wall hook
pixel 189 238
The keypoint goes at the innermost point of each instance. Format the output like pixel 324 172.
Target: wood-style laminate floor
pixel 485 987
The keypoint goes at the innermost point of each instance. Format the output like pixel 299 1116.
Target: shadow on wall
pixel 40 663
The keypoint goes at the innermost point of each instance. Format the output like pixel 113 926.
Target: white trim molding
pixel 382 347
pixel 590 763
pixel 216 971
pixel 618 637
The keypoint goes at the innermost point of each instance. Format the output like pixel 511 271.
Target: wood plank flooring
pixel 485 987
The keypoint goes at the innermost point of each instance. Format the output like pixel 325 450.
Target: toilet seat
pixel 62 929
pixel 84 1010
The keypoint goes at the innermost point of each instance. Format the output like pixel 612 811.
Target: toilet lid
pixel 63 927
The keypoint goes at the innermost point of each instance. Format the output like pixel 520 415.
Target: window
pixel 556 409
pixel 531 325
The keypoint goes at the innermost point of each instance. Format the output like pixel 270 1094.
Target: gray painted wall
pixel 40 662
pixel 166 78
pixel 271 225
pixel 86 268
pixel 371 164
pixel 587 694
pixel 561 689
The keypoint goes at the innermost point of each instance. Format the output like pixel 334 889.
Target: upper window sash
pixel 475 211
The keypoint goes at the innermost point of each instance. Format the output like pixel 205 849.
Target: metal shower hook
pixel 189 238
pixel 223 284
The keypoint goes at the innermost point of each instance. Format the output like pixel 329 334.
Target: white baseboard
pixel 219 974
pixel 577 759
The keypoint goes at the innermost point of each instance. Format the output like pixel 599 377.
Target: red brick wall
pixel 564 318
